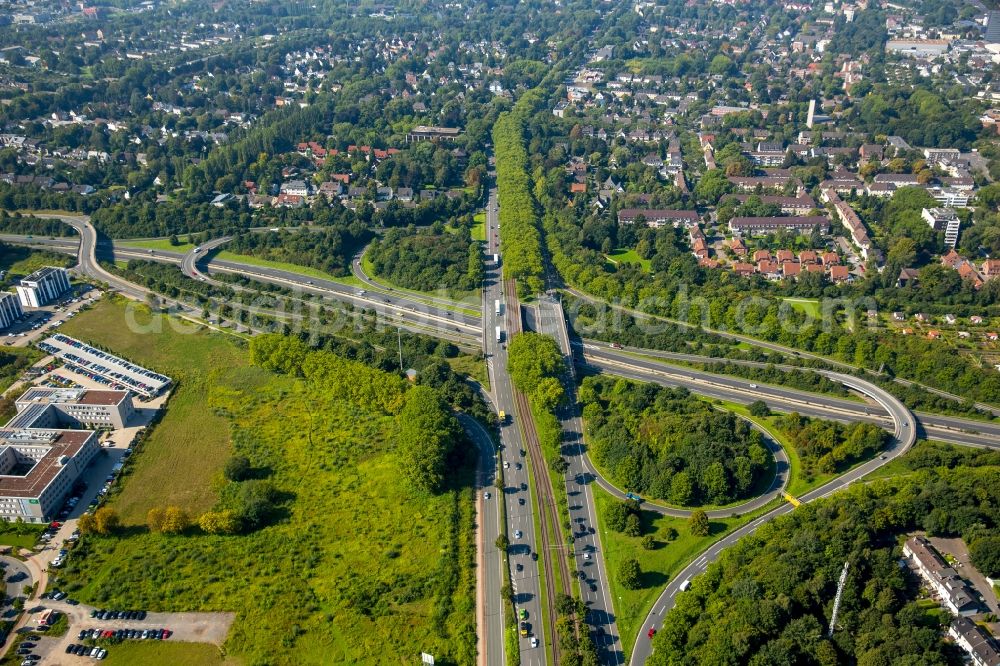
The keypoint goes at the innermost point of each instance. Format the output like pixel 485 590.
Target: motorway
pixel 951 429
pixel 965 432
pixel 523 552
pixel 595 588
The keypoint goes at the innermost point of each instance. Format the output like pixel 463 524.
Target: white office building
pixel 10 309
pixel 43 286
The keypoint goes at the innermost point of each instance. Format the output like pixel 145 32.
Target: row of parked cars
pixel 86 651
pixel 125 634
pixel 117 614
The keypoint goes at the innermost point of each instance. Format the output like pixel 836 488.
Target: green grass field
pixel 160 244
pixel 166 653
pixel 225 255
pixel 193 440
pixel 628 256
pixel 658 566
pixel 23 536
pixel 809 306
pixel 21 261
pixel 358 565
pixel 479 228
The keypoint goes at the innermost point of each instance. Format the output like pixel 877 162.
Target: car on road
pixel 520 500
pixel 753 386
pixel 534 642
pixel 517 534
pixel 487 495
pixel 517 465
pixel 524 628
pixel 506 465
pixel 586 556
pixel 522 614
pixel 651 632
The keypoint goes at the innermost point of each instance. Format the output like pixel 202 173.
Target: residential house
pixel 954 592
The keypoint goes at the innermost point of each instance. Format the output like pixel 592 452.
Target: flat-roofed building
pixel 10 309
pixel 76 407
pixel 104 367
pixel 946 220
pixel 43 286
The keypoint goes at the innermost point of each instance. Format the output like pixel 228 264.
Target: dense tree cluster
pixel 521 240
pixel 827 446
pixel 29 225
pixel 768 599
pixel 425 260
pixel 670 445
pixel 328 249
pixel 428 435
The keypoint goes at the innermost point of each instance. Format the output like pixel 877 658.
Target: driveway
pixel 186 627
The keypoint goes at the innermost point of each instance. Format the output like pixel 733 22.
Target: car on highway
pixel 487 495
pixel 651 632
pixel 534 642
pixel 506 465
pixel 520 500
pixel 524 629
pixel 753 386
pixel 517 534
pixel 522 614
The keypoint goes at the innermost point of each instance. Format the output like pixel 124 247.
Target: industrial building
pixel 104 367
pixel 43 286
pixel 10 309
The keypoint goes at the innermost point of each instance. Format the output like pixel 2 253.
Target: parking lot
pixel 38 322
pixel 184 627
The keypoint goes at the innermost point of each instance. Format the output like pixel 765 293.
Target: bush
pixel 698 523
pixel 629 574
pixel 237 468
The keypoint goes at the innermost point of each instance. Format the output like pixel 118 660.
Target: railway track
pixel 557 578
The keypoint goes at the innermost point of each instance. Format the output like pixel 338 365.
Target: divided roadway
pixel 516 493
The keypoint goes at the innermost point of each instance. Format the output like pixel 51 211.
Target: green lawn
pixel 192 440
pixel 20 536
pixel 628 256
pixel 357 563
pixel 225 255
pixel 809 306
pixel 166 653
pixel 479 228
pixel 160 244
pixel 658 566
pixel 20 261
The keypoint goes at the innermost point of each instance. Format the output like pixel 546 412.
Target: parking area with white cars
pixel 37 322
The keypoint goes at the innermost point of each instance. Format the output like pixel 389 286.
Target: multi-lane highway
pixel 523 553
pixel 628 363
pixel 588 553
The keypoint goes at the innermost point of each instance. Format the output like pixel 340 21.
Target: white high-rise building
pixel 43 286
pixel 10 309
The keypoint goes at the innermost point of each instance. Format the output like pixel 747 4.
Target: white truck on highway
pixel 496 259
pixel 499 334
pixel 497 307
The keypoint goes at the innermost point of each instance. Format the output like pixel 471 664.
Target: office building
pixel 79 407
pixel 10 309
pixel 42 455
pixel 43 286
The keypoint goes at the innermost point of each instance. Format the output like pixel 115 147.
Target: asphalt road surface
pixel 523 552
